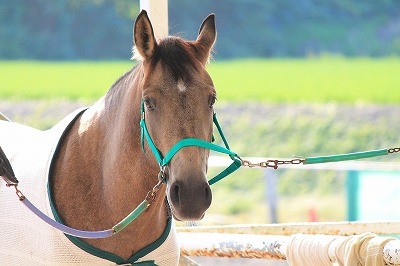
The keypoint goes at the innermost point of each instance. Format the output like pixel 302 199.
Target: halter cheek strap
pixel 187 142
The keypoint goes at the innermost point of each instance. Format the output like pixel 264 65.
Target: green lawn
pixel 327 79
pixel 309 80
pixel 71 80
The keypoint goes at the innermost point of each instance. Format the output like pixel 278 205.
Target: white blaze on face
pixel 181 86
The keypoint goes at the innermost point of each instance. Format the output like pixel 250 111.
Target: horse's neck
pixel 101 173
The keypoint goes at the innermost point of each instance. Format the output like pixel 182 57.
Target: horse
pixel 96 167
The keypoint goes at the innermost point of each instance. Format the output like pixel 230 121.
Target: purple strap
pixel 64 228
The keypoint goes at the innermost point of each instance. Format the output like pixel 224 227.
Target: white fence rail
pixel 287 229
pixel 275 241
pixel 308 249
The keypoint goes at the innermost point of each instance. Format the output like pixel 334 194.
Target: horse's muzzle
pixel 189 200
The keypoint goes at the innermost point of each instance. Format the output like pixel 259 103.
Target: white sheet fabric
pixel 24 238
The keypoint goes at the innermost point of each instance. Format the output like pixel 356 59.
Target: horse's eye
pixel 148 103
pixel 212 100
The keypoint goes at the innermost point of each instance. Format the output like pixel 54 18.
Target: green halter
pixel 163 161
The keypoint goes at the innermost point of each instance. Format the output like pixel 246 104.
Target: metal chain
pixel 271 163
pixel 275 163
pixel 393 150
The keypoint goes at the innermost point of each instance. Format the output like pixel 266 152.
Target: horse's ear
pixel 143 33
pixel 207 36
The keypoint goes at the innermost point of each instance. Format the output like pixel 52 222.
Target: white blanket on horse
pixel 24 238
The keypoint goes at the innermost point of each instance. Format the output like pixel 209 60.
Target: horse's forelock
pixel 180 57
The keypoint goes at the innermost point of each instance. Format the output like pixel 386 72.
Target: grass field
pixel 326 79
pixel 70 80
pixel 256 129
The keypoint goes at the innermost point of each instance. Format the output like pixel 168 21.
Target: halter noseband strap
pixel 163 161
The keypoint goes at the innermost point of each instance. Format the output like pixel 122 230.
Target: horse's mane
pixel 126 74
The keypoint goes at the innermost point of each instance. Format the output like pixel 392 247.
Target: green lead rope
pixel 131 217
pixel 237 162
pixel 346 157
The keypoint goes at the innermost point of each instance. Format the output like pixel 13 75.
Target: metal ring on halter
pixel 161 174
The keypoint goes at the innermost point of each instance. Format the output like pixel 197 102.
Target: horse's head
pixel 178 96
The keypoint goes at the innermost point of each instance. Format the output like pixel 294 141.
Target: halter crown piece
pixel 163 161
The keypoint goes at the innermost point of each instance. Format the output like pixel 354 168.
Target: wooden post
pixel 158 14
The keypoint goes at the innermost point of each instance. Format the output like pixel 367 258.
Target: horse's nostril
pixel 208 195
pixel 208 192
pixel 175 194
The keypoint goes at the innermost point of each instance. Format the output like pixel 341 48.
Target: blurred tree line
pixel 102 29
pixel 66 29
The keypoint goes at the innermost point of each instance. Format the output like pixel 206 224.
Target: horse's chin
pixel 185 218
